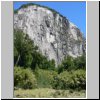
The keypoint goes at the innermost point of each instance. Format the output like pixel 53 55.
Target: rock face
pixel 54 34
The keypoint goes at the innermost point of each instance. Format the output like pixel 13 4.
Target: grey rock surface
pixel 54 34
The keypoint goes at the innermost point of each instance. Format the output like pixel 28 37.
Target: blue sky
pixel 74 11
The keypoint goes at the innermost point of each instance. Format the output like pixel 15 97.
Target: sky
pixel 74 11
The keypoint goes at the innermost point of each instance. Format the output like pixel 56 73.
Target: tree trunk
pixel 17 60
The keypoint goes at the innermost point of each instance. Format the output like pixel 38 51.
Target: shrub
pixel 79 77
pixel 45 77
pixel 24 78
pixel 70 80
pixel 62 80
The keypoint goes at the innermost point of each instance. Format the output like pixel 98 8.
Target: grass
pixel 48 93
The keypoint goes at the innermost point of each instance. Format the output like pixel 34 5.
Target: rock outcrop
pixel 54 34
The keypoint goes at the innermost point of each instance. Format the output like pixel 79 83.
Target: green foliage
pixel 27 60
pixel 45 78
pixel 52 64
pixel 70 74
pixel 24 78
pixel 15 55
pixel 60 69
pixel 80 62
pixel 15 11
pixel 69 63
pixel 26 54
pixel 70 80
pixel 24 48
pixel 47 64
pixel 79 77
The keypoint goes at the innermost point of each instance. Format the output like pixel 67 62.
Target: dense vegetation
pixel 33 70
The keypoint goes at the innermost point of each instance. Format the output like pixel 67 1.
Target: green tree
pixel 52 64
pixel 26 54
pixel 67 64
pixel 23 49
pixel 80 62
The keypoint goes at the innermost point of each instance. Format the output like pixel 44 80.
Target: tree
pixel 26 54
pixel 80 62
pixel 23 49
pixel 67 63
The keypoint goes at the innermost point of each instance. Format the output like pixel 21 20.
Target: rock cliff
pixel 53 33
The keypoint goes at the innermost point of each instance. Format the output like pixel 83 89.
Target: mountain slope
pixel 54 34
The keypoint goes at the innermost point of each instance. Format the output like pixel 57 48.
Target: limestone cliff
pixel 54 34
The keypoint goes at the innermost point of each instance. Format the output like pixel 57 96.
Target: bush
pixel 79 77
pixel 24 78
pixel 45 77
pixel 70 80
